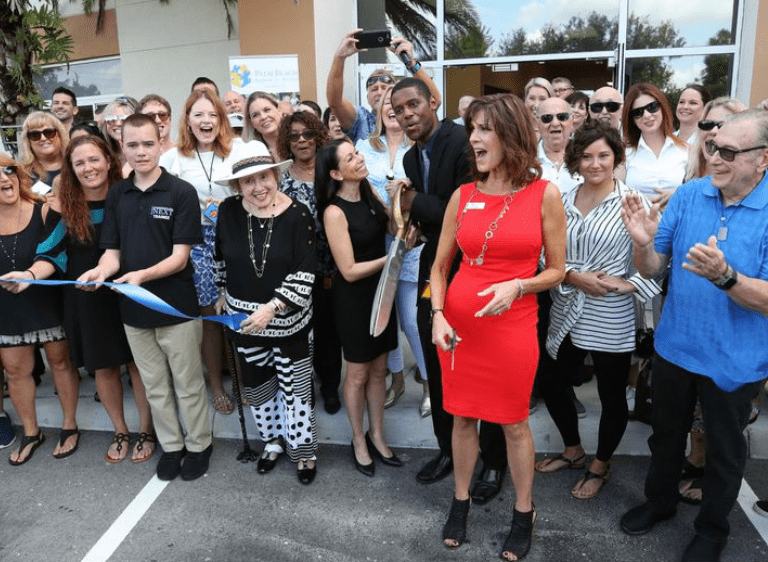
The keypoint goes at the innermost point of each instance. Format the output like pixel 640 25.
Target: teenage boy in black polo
pixel 151 221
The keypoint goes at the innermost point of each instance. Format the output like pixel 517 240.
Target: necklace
pixel 209 173
pixel 12 258
pixel 508 198
pixel 260 269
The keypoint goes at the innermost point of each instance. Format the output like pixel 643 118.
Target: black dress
pixel 91 320
pixel 354 301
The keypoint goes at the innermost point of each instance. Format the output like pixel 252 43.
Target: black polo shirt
pixel 144 226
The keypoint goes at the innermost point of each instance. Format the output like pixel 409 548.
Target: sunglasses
pixel 306 134
pixel 8 170
pixel 611 106
pixel 385 78
pixel 638 112
pixel 164 116
pixel 49 134
pixel 708 125
pixel 728 154
pixel 110 118
pixel 548 117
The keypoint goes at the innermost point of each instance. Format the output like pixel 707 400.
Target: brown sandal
pixel 603 479
pixel 144 438
pixel 119 438
pixel 577 463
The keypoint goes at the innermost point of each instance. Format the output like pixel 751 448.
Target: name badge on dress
pixel 475 205
pixel 211 212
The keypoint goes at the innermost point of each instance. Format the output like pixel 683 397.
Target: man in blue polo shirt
pixel 151 221
pixel 712 340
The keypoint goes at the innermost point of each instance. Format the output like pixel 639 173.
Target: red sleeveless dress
pixel 495 363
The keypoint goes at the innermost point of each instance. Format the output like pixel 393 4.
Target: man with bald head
pixel 605 106
pixel 234 102
pixel 553 119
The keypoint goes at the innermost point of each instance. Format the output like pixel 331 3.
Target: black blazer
pixel 449 168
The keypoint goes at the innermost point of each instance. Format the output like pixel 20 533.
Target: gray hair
pixel 757 116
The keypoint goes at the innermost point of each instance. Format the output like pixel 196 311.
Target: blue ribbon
pixel 145 298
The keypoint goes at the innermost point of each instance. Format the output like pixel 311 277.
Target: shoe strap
pixel 274 448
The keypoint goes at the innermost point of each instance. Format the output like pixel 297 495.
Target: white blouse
pixel 646 173
pixel 597 242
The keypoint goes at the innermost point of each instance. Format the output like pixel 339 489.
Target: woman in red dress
pixel 486 323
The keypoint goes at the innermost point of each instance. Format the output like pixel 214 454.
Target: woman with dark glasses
pixel 42 146
pixel 712 118
pixel 112 123
pixel 656 158
pixel 158 108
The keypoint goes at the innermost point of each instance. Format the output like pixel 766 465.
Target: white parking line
pixel 127 520
pixel 747 499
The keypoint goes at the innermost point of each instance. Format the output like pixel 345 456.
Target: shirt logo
pixel 164 213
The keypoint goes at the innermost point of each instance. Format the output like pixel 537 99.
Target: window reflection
pixel 672 74
pixel 92 78
pixel 693 23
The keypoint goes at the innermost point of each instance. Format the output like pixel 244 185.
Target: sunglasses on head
pixel 727 154
pixel 110 118
pixel 306 134
pixel 708 124
pixel 638 112
pixel 611 106
pixel 49 133
pixel 162 115
pixel 8 170
pixel 548 117
pixel 387 79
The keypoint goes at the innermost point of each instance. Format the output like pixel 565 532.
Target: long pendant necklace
pixel 208 173
pixel 508 198
pixel 265 248
pixel 12 257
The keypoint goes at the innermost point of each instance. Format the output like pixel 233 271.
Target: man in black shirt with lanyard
pixel 151 221
pixel 436 166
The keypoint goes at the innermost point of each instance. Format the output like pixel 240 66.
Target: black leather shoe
pixel 487 486
pixel 436 469
pixel 367 469
pixel 265 464
pixel 331 403
pixel 306 475
pixel 169 465
pixel 703 549
pixel 196 464
pixel 641 519
pixel 389 461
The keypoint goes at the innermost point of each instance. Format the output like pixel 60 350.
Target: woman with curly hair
pixel 42 146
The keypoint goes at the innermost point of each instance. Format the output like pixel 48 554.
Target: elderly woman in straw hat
pixel 266 242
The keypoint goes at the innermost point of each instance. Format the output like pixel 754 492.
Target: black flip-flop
pixel 35 441
pixel 63 436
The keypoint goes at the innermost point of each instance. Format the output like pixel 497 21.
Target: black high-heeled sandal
pixel 455 528
pixel 518 541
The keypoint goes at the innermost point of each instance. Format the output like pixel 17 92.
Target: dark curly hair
pixel 310 121
pixel 510 119
pixel 589 133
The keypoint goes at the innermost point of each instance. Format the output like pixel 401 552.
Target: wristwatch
pixel 413 69
pixel 727 279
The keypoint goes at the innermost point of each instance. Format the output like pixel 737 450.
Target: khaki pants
pixel 178 347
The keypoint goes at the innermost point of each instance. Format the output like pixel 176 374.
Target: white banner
pixel 274 74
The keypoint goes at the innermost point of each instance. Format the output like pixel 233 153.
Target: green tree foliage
pixel 31 35
pixel 717 68
pixel 470 41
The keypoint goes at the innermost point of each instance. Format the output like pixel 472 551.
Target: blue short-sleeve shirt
pixel 364 125
pixel 702 329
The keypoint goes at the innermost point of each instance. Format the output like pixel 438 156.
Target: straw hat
pixel 252 157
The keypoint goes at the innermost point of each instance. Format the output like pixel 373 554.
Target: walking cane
pixel 247 454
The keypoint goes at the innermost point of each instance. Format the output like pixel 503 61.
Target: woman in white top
pixel 262 121
pixel 593 310
pixel 690 108
pixel 383 154
pixel 712 118
pixel 656 158
pixel 206 150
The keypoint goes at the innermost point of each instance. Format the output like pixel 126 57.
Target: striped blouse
pixel 597 242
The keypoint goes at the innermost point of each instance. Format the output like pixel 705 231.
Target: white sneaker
pixel 631 390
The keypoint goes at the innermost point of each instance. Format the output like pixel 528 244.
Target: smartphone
pixel 373 38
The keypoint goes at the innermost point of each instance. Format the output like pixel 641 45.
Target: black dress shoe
pixel 307 475
pixel 196 464
pixel 703 549
pixel 641 519
pixel 265 464
pixel 436 469
pixel 487 486
pixel 367 469
pixel 389 461
pixel 169 465
pixel 331 403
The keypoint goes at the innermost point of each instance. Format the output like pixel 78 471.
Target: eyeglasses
pixel 611 106
pixel 49 134
pixel 164 116
pixel 708 125
pixel 110 118
pixel 306 134
pixel 638 112
pixel 8 170
pixel 559 91
pixel 728 154
pixel 385 78
pixel 548 117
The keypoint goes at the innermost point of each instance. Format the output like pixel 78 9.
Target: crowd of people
pixel 542 232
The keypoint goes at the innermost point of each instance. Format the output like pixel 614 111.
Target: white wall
pixel 333 18
pixel 164 47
